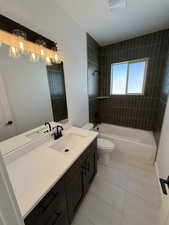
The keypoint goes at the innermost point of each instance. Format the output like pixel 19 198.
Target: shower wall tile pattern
pixel 93 76
pixel 138 111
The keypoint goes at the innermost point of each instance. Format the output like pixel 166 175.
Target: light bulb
pixel 42 53
pixel 14 52
pixel 48 61
pixel 56 58
pixel 21 46
pixel 33 57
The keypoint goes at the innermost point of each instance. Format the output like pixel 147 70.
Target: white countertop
pixel 34 172
pixel 25 138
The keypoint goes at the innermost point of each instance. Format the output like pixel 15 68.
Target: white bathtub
pixel 138 143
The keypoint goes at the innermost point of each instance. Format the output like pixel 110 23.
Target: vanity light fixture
pixel 19 45
pixel 14 52
pixel 21 36
pixel 48 61
pixel 56 58
pixel 42 53
pixel 33 57
pixel 42 45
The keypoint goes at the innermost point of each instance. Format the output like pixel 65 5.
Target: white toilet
pixel 105 147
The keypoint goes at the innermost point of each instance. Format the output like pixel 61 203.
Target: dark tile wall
pixel 93 76
pixel 134 111
pixel 57 91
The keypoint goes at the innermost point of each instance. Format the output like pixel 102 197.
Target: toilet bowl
pixel 105 147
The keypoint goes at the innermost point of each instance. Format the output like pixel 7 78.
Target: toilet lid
pixel 105 144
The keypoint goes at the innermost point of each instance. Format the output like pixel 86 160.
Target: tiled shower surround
pixel 93 76
pixel 58 99
pixel 138 111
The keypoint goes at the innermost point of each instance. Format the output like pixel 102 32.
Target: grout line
pixel 131 192
pixel 107 203
pixel 126 192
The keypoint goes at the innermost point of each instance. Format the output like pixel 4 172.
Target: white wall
pixel 9 209
pixel 27 89
pixel 162 164
pixel 163 150
pixel 47 18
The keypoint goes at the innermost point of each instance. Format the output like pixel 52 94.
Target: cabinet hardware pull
pixel 84 172
pixel 47 202
pixel 55 217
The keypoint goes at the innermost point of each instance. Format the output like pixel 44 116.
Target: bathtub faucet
pixel 95 126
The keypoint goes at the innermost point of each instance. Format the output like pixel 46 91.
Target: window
pixel 128 78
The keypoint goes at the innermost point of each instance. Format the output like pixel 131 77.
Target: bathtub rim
pixel 111 136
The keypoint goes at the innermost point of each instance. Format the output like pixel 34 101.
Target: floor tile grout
pixel 134 186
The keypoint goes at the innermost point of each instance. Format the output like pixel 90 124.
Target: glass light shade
pixel 42 53
pixel 56 58
pixel 33 57
pixel 21 46
pixel 48 61
pixel 18 45
pixel 14 52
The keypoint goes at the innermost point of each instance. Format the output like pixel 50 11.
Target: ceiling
pixel 109 26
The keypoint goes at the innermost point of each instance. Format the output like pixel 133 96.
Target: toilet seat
pixel 105 145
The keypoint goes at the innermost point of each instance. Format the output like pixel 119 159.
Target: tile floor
pixel 125 192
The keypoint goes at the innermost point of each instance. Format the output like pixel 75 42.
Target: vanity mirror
pixel 30 94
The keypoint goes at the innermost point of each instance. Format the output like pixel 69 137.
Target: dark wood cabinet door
pixel 59 218
pixel 59 206
pixel 75 190
pixel 52 209
pixel 92 167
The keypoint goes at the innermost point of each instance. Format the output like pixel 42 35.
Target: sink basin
pixel 68 143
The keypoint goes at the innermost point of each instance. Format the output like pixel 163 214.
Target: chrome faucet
pixel 47 123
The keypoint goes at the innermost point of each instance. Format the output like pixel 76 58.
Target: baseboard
pixel 158 180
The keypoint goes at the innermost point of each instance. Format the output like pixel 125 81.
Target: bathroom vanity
pixel 50 178
pixel 60 204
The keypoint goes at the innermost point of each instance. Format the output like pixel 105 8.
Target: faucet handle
pixel 59 130
pixel 53 128
pixel 60 127
pixel 48 123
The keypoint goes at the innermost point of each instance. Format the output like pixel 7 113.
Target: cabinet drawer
pixel 50 206
pixel 58 218
pixel 59 206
